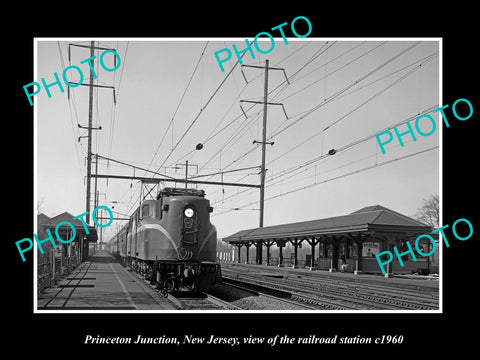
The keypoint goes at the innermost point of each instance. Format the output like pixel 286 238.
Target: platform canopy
pixel 368 220
pixel 52 223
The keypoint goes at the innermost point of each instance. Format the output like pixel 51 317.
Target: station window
pixel 146 211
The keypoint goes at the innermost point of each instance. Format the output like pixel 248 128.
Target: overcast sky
pixel 357 87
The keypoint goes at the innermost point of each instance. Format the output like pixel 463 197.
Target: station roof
pixel 369 219
pixel 42 219
pixel 79 228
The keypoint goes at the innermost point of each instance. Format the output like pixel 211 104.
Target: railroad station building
pixel 357 237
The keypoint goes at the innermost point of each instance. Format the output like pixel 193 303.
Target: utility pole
pixel 89 128
pixel 89 152
pixel 264 140
pixel 264 143
pixel 95 201
pixel 263 170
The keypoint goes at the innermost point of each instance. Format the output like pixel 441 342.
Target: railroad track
pixel 305 301
pixel 296 300
pixel 357 281
pixel 352 297
pixel 337 294
pixel 196 301
pixel 399 293
pixel 285 303
pixel 390 299
pixel 201 301
pixel 207 301
pixel 258 301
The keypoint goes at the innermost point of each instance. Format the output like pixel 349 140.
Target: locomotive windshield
pixel 146 211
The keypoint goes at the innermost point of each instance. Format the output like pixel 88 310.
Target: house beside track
pixel 54 263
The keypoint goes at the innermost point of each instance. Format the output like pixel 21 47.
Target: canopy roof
pixel 369 219
pixel 79 228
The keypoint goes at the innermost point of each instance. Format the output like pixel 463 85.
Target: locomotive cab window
pixel 135 219
pixel 146 211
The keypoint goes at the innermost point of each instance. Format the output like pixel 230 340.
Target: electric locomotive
pixel 171 242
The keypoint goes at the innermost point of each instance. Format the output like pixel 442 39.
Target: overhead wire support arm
pixel 261 102
pixel 133 166
pixel 89 128
pixel 93 85
pixel 264 102
pixel 95 47
pixel 153 180
pixel 224 172
pixel 165 177
pixel 263 67
pixel 92 47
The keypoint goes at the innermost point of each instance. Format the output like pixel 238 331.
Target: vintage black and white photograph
pixel 278 174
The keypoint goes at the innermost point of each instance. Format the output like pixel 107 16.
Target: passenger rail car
pixel 171 242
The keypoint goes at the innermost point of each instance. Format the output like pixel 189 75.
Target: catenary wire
pixel 334 178
pixel 176 110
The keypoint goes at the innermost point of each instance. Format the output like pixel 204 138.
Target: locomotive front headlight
pixel 189 212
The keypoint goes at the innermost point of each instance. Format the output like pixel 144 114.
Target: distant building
pixel 52 262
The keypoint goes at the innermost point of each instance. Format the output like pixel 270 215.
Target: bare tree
pixel 223 246
pixel 40 206
pixel 429 212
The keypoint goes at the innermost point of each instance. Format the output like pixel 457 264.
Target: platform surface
pixel 102 283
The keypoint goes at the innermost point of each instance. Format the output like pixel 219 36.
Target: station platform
pixel 419 283
pixel 102 283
